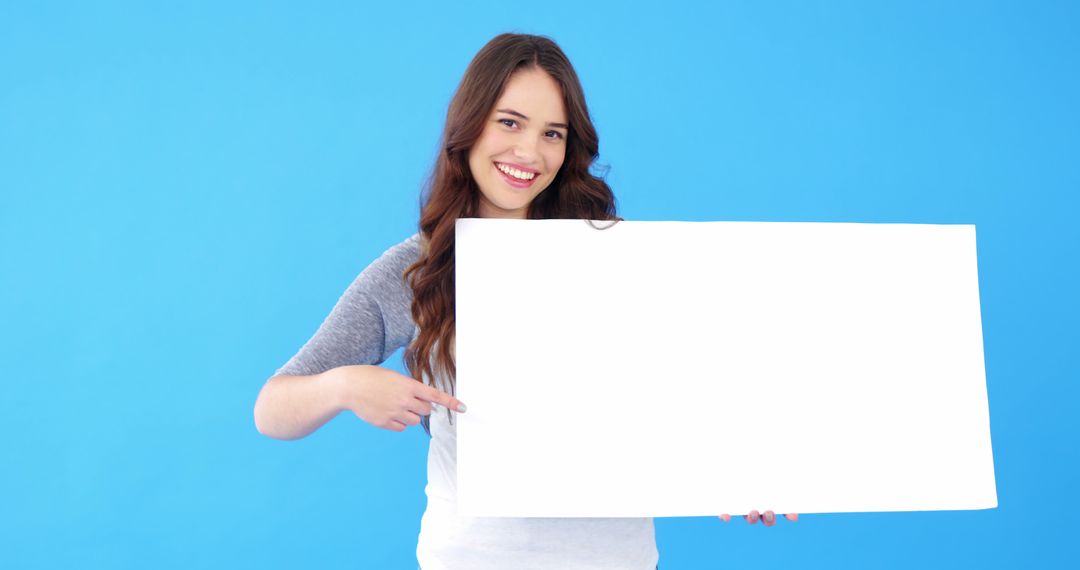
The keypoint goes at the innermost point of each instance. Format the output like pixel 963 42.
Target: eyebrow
pixel 516 114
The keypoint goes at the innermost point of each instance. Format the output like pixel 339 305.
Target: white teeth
pixel 515 172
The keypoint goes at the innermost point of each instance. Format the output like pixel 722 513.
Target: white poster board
pixel 658 369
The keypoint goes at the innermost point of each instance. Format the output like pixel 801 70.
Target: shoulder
pixel 392 263
pixel 403 253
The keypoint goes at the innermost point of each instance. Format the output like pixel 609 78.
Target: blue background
pixel 187 188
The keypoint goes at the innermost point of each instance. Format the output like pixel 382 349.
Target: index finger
pixel 439 397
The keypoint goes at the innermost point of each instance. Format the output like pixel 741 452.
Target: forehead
pixel 535 94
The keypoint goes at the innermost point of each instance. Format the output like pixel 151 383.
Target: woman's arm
pixel 370 320
pixel 291 407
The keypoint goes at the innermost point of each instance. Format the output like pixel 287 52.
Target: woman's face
pixel 525 131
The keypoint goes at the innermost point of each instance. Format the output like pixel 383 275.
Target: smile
pixel 515 177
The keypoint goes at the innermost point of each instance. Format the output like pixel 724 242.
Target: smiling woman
pixel 518 143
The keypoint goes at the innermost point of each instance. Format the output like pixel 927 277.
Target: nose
pixel 525 150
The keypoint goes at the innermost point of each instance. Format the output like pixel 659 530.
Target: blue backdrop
pixel 187 188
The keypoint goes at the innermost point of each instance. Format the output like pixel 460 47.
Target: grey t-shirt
pixel 371 320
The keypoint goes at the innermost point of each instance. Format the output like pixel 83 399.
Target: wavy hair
pixel 451 192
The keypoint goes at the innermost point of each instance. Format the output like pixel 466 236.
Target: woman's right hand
pixel 386 399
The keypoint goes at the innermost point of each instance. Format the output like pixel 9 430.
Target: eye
pixel 556 133
pixel 504 121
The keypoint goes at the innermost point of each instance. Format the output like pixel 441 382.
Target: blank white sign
pixel 658 369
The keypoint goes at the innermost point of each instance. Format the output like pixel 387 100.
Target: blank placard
pixel 657 369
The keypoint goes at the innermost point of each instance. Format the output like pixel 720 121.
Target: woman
pixel 518 143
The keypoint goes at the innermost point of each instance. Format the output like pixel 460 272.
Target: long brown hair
pixel 451 192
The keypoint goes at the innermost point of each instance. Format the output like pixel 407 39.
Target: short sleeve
pixel 371 319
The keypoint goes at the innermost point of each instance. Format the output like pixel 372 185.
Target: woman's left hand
pixel 768 519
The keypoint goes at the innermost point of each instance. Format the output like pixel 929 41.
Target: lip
pixel 518 166
pixel 511 181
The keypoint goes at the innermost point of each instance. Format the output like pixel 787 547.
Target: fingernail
pixel 461 407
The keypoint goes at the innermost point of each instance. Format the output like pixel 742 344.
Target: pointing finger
pixel 440 397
